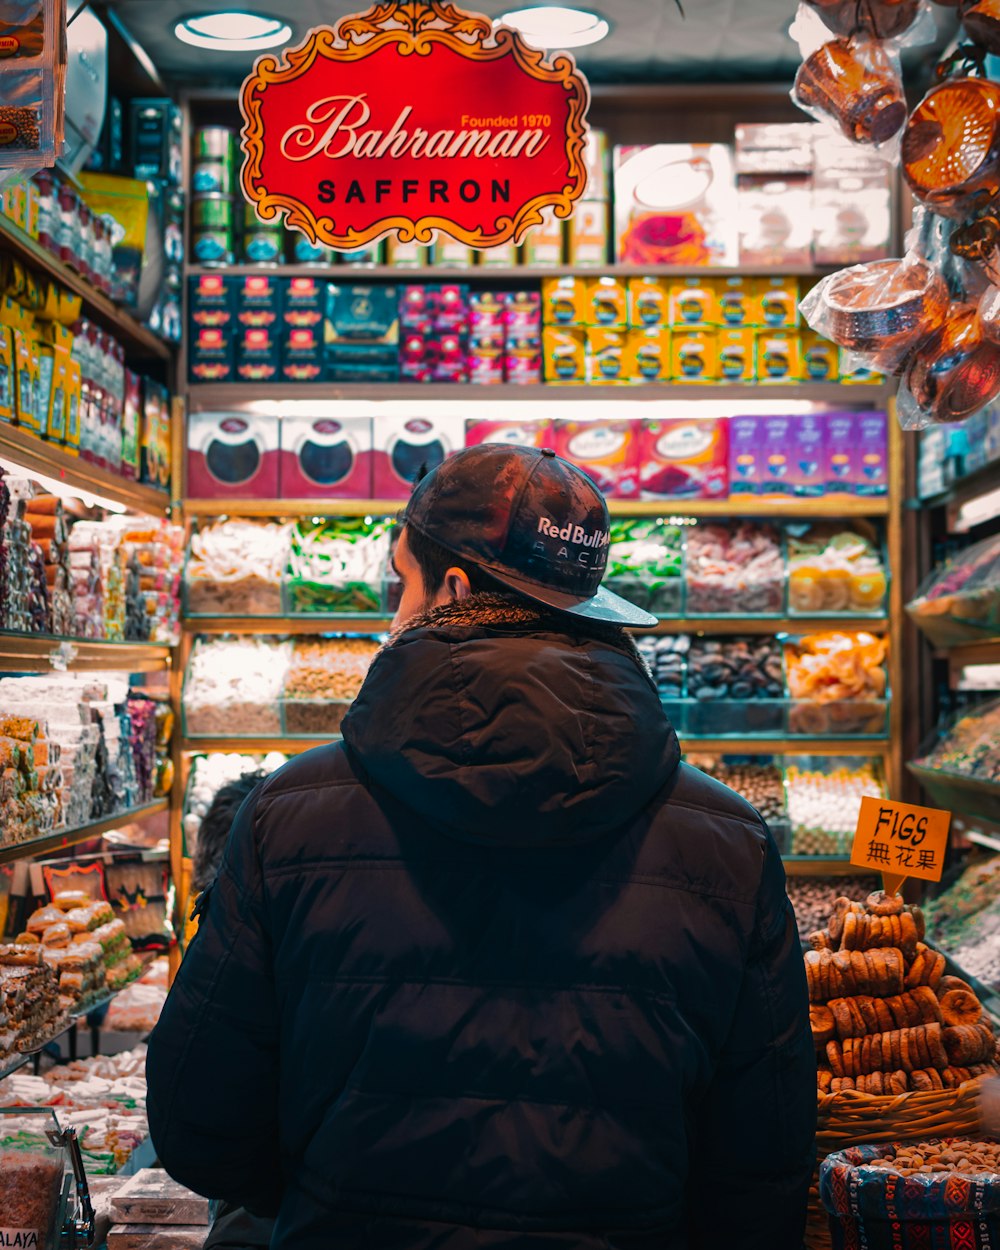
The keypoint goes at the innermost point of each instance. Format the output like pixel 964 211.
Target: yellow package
pixel 694 355
pixel 11 312
pixel 6 374
pixel 649 302
pixel 854 374
pixel 54 367
pixel 587 235
pixel 647 355
pixel 735 300
pixel 736 355
pixel 779 356
pixel 693 303
pixel 51 304
pixel 776 302
pixel 74 398
pixel 543 245
pixel 564 302
pixel 606 350
pixel 37 418
pixel 564 354
pixel 24 381
pixel 820 358
pixel 14 276
pixel 607 303
pixel 70 307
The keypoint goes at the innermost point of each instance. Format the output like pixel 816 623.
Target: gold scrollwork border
pixel 463 32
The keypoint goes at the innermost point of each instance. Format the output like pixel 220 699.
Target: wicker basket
pixel 852 1119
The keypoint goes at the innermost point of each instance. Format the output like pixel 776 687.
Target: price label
pixel 900 840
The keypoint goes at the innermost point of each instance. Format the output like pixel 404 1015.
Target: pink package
pixel 416 359
pixel 403 446
pixel 232 456
pixel 522 313
pixel 451 358
pixel 608 451
pixel 841 437
pixel 682 459
pixel 523 368
pixel 514 433
pixel 486 359
pixel 486 310
pixel 417 306
pixel 324 458
pixel 452 313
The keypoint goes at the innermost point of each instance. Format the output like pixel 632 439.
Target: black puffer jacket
pixel 496 972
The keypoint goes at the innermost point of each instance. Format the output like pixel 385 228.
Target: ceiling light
pixel 233 32
pixel 552 26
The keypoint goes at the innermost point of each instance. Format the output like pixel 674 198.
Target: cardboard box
pixel 132 427
pixel 406 255
pixel 258 299
pixel 606 355
pixel 693 302
pixel 776 455
pixel 212 354
pixel 648 302
pixel 694 355
pixel 258 354
pixel 451 309
pixel 211 300
pixel 451 357
pixel 871 464
pixel 53 362
pixel 587 234
pixel 503 257
pixel 808 472
pixel 232 455
pixel 522 314
pixel 779 356
pixel 513 433
pixel 840 442
pixel 522 361
pixel 737 360
pixel 851 202
pixel 607 303
pixel 745 463
pixel 597 161
pixel 607 451
pixel 675 204
pixel 684 459
pixel 24 383
pixel 775 217
pixel 486 357
pixel 156 448
pixel 487 310
pixel 564 355
pixel 647 355
pixel 450 254
pixel 404 447
pixel 325 458
pixel 302 353
pixel 776 303
pixel 544 244
pixel 361 315
pixel 735 301
pixel 304 302
pixel 74 395
pixel 820 358
pixel 417 307
pixel 564 302
pixel 152 1197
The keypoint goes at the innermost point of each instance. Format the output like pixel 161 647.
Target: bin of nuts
pixel 323 680
pixel 760 784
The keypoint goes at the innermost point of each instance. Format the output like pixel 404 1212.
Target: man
pixel 498 970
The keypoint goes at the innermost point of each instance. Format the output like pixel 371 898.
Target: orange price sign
pixel 900 840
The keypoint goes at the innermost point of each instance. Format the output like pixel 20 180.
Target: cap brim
pixel 604 606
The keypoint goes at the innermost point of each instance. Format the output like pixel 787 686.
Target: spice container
pixel 212 229
pixel 44 1196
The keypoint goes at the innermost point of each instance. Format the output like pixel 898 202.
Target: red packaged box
pixel 514 433
pixel 324 458
pixel 232 455
pixel 606 450
pixel 684 459
pixel 404 446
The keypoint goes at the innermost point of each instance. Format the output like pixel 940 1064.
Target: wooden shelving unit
pixel 510 275
pixel 822 866
pixel 63 839
pixel 31 653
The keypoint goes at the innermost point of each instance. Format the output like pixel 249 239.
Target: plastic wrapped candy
pixel 955 372
pixel 960 601
pixel 856 85
pixel 881 310
pixel 834 568
pixel 881 19
pixel 981 19
pixel 950 149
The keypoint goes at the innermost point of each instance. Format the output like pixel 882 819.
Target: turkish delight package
pixel 684 459
pixel 870 475
pixel 564 353
pixel 607 450
pixel 404 448
pixel 675 204
pixel 808 460
pixel 745 463
pixel 232 455
pixel 514 433
pixel 325 458
pixel 851 202
pixel 776 455
pixel 841 436
pixel 152 1197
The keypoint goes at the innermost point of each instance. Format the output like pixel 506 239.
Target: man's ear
pixel 457 585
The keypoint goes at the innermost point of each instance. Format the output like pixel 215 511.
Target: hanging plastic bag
pixel 880 310
pixel 27 139
pixel 950 147
pixel 982 23
pixel 904 23
pixel 955 371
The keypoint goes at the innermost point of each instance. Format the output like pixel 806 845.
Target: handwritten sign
pixel 901 840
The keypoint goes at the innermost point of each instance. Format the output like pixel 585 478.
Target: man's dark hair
pixel 434 562
pixel 215 827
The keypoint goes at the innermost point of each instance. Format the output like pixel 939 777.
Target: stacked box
pixel 361 334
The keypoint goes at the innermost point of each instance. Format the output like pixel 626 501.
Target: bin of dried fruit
pixel 835 569
pixel 646 564
pixel 323 680
pixel 338 565
pixel 812 898
pixel 838 682
pixel 960 601
pixel 759 782
pixel 735 568
pixel 235 568
pixel 735 686
pixel 824 801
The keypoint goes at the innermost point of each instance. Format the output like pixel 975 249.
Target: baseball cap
pixel 533 521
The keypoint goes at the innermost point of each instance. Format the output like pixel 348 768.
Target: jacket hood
pixel 503 723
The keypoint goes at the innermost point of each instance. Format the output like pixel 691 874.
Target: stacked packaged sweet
pixel 832 568
pixel 885 1018
pixel 646 564
pixel 233 687
pixel 731 683
pixel 209 773
pixel 44 514
pixel 103 537
pixel 137 1008
pixel 323 680
pixel 338 565
pixel 960 601
pixel 29 999
pixel 32 790
pixel 86 585
pixel 17 572
pixel 971 747
pixel 812 898
pixel 156 549
pixel 735 568
pixel 84 945
pixel 666 656
pixel 140 718
pixel 839 682
pixel 235 568
pixel 823 804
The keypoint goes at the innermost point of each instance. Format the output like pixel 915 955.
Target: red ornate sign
pixel 415 117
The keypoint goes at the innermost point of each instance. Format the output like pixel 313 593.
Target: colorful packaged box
pixel 416 355
pixel 302 353
pixel 694 355
pixel 304 302
pixel 745 463
pixel 564 354
pixel 647 355
pixel 564 302
pixel 606 450
pixel 522 313
pixel 774 168
pixel 361 333
pixel 607 303
pixel 820 358
pixel 450 254
pixel 154 435
pixel 451 358
pixel 258 299
pixel 597 161
pixel 503 257
pixel 417 307
pixel 24 385
pixel 543 245
pixel 212 354
pixel 74 396
pixel 693 302
pixel 258 354
pixel 871 466
pixel 776 302
pixel 211 300
pixel 406 255
pixel 325 458
pixel 522 361
pixel 840 441
pixel 684 459
pixel 7 400
pixel 487 310
pixel 808 475
pixel 513 433
pixel 851 201
pixel 606 356
pixel 132 427
pixel 405 447
pixel 451 310
pixel 736 355
pixel 776 455
pixel 587 234
pixel 648 302
pixel 486 356
pixel 735 301
pixel 232 455
pixel 675 204
pixel 779 356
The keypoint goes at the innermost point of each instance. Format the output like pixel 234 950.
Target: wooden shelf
pixel 828 506
pixel 29 653
pixel 62 839
pixel 822 866
pixel 984 839
pixel 140 342
pixel 511 275
pixel 698 746
pixel 215 396
pixel 34 455
pixel 961 497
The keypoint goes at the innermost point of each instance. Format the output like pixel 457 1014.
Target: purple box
pixel 808 468
pixel 871 471
pixel 745 455
pixel 841 437
pixel 776 455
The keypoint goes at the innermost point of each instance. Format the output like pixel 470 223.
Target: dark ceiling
pixel 650 40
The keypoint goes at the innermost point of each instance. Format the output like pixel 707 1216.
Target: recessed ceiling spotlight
pixel 552 26
pixel 235 31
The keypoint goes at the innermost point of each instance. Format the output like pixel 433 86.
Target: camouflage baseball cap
pixel 533 521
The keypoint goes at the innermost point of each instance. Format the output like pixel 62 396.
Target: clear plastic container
pixel 322 681
pixel 835 569
pixel 960 601
pixel 824 798
pixel 232 688
pixel 235 568
pixel 646 564
pixel 35 1178
pixel 337 566
pixel 838 684
pixel 735 568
